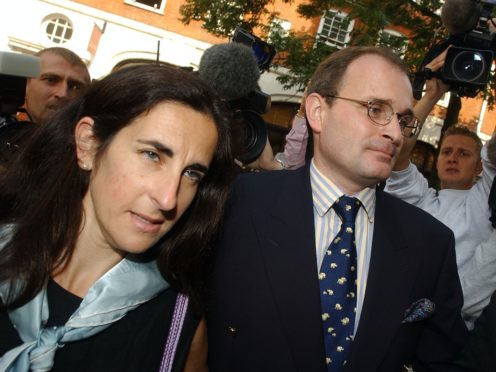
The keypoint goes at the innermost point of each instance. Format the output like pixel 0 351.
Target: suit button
pixel 232 331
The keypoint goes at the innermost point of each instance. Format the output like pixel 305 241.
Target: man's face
pixel 350 149
pixel 58 83
pixel 458 162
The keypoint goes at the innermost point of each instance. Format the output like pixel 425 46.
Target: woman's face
pixel 147 177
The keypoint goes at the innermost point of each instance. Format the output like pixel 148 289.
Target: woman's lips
pixel 145 223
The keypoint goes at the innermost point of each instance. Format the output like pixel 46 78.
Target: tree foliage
pixel 300 53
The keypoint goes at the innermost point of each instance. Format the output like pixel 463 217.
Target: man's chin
pixel 379 174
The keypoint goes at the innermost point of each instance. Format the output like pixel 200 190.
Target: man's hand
pixel 434 87
pixel 434 90
pixel 266 160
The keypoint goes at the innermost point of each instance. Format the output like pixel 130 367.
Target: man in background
pixel 465 174
pixel 64 77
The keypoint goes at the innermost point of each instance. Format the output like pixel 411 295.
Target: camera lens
pixel 249 135
pixel 468 65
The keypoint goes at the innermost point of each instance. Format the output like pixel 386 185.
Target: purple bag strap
pixel 174 332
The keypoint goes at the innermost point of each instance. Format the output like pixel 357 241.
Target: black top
pixel 134 343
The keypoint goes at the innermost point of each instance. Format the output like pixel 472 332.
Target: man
pixel 64 77
pixel 269 308
pixel 462 203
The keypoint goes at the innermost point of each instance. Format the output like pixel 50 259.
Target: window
pixel 335 28
pixel 394 40
pixel 279 27
pixel 431 131
pixel 157 5
pixel 58 28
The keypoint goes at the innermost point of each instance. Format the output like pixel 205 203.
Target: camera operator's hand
pixel 434 87
pixel 266 160
pixel 434 90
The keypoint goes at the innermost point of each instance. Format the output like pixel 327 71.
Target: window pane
pixel 58 30
pixel 152 3
pixel 336 29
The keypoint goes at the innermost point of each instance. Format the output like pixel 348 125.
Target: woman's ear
pixel 86 143
pixel 314 110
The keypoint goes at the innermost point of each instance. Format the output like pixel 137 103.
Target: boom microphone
pixel 460 16
pixel 231 69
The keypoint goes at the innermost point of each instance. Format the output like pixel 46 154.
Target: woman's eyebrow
pixel 159 146
pixel 168 152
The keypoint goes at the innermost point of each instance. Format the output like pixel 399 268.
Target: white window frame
pixel 326 37
pixel 395 33
pixel 284 26
pixel 137 4
pixel 55 19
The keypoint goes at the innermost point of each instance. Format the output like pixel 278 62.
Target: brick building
pixel 108 34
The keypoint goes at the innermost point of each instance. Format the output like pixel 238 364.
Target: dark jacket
pixel 264 312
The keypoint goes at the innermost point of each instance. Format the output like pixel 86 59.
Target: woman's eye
pixel 194 175
pixel 152 155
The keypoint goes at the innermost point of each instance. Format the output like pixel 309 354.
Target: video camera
pixel 469 59
pixel 14 71
pixel 249 130
pixel 262 50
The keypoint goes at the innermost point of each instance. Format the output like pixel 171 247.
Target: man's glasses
pixel 381 113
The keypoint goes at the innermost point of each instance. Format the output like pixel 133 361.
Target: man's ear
pixel 86 143
pixel 478 167
pixel 314 106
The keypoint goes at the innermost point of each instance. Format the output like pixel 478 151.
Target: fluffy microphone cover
pixel 460 16
pixel 231 69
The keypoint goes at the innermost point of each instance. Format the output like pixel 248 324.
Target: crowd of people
pixel 130 242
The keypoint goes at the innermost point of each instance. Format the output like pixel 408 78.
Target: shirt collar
pixel 325 193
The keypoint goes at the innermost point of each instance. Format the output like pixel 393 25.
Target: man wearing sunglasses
pixel 316 269
pixel 461 203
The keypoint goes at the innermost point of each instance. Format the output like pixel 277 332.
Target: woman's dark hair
pixel 42 192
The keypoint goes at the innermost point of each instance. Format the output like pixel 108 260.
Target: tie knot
pixel 347 208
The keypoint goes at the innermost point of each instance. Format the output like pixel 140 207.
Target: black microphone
pixel 231 69
pixel 460 16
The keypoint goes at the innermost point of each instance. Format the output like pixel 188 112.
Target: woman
pixel 124 185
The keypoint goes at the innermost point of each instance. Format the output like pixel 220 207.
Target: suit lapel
pixel 288 247
pixel 391 275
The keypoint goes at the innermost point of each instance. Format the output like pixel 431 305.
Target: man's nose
pixel 62 90
pixel 393 131
pixel 453 157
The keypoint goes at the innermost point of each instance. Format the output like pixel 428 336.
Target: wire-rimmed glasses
pixel 382 113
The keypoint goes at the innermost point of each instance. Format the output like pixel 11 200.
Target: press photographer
pixel 14 71
pixel 469 59
pixel 233 70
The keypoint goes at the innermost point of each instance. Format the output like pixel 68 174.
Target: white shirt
pixel 327 224
pixel 466 212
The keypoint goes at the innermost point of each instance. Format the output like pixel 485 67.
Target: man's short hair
pixel 327 78
pixel 461 130
pixel 66 54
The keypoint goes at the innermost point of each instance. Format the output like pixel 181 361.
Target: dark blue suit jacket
pixel 264 310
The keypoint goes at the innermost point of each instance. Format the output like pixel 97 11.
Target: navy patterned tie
pixel 337 278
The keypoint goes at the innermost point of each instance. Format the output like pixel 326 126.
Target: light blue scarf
pixel 123 288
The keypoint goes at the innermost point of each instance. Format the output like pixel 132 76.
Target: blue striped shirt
pixel 327 224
